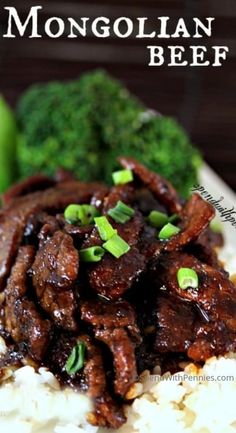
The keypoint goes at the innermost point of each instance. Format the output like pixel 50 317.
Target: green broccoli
pixel 83 125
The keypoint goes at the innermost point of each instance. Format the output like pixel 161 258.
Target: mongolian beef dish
pixel 99 284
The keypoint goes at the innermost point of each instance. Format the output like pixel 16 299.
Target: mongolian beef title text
pixel 124 27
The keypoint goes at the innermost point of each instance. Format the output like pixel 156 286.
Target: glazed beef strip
pixel 216 294
pixel 34 183
pixel 174 324
pixel 101 314
pixel 107 413
pixel 111 278
pixel 124 193
pixel 91 379
pixel 211 339
pixel 108 315
pixel 215 297
pixel 23 320
pixel 195 218
pixel 54 272
pixel 124 361
pixel 159 186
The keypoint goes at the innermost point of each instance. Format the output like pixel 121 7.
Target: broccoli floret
pixel 56 131
pixel 83 125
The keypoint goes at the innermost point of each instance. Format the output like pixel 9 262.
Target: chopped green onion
pixel 167 231
pixel 76 359
pixel 157 219
pixel 105 229
pixel 187 277
pixel 122 176
pixel 216 226
pixel 92 254
pixel 173 218
pixel 121 213
pixel 80 214
pixel 116 246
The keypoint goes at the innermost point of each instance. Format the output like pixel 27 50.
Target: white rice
pixel 32 402
pixel 192 401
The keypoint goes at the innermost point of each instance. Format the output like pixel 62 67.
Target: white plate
pixel 217 188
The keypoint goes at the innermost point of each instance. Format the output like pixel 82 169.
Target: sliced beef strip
pixel 78 232
pixel 108 315
pixel 159 186
pixel 38 182
pixel 124 361
pixel 57 197
pixel 61 306
pixel 23 321
pixel 204 250
pixel 91 379
pixel 175 324
pixel 215 300
pixel 216 240
pixel 103 314
pixel 124 193
pixel 98 197
pixel 48 229
pixel 10 237
pixel 58 353
pixel 195 218
pixel 149 244
pixel 131 230
pixel 216 294
pixel 93 370
pixel 211 339
pixel 146 202
pixel 54 272
pixel 111 277
pixel 32 228
pixel 107 413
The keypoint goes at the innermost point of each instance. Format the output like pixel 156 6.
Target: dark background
pixel 203 99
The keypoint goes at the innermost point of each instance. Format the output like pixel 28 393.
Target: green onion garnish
pixel 167 231
pixel 76 359
pixel 216 226
pixel 122 176
pixel 173 218
pixel 105 229
pixel 82 214
pixel 116 246
pixel 187 277
pixel 157 219
pixel 92 254
pixel 121 213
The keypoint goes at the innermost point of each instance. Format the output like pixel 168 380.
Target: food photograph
pixel 118 216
